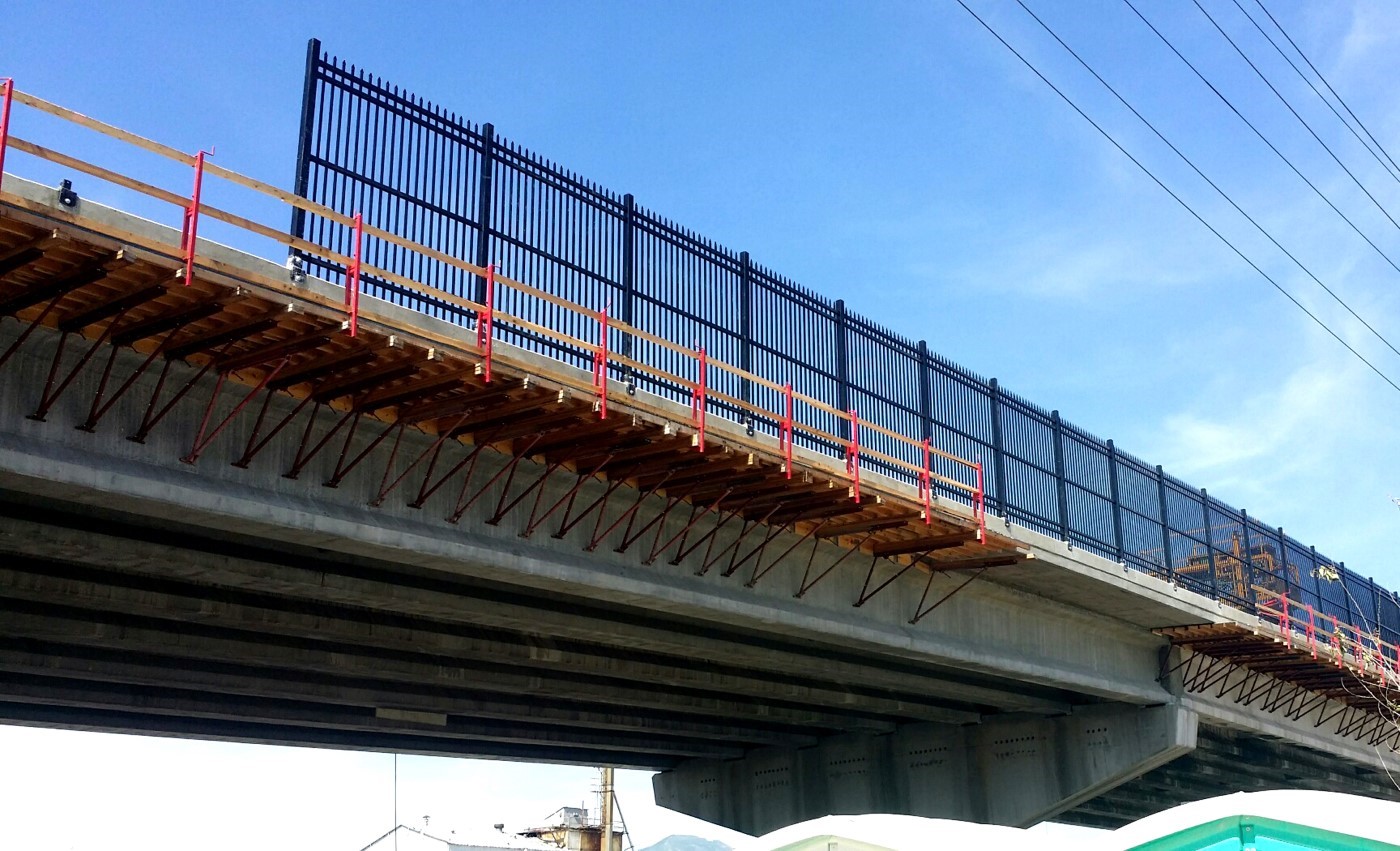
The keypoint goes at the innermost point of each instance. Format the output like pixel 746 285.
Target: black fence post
pixel 1166 524
pixel 1247 561
pixel 843 367
pixel 925 392
pixel 1115 498
pixel 998 452
pixel 746 330
pixel 627 286
pixel 1061 489
pixel 1209 544
pixel 1316 573
pixel 1283 562
pixel 483 206
pixel 308 121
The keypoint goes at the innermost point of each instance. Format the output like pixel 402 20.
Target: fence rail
pixel 423 172
pixel 366 257
pixel 440 199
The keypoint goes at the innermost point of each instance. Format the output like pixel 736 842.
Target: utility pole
pixel 605 795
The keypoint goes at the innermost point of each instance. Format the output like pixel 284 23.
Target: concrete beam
pixel 1017 772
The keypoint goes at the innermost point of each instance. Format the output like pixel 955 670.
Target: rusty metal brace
pixel 463 504
pixel 201 442
pixel 806 586
pixel 920 612
pixel 760 573
pixel 535 523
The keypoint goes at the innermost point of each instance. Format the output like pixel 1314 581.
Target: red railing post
pixel 926 484
pixel 1337 642
pixel 979 505
pixel 600 365
pixel 1312 632
pixel 1283 623
pixel 698 400
pixel 191 229
pixel 853 456
pixel 785 429
pixel 485 323
pixel 7 91
pixel 352 276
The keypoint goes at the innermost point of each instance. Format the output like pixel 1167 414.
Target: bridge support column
pixel 1017 772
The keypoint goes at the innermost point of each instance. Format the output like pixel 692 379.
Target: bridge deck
pixel 260 337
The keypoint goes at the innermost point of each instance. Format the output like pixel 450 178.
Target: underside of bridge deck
pixel 223 516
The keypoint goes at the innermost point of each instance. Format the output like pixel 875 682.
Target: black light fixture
pixel 66 196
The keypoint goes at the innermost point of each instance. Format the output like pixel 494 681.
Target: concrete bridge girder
pixel 983 630
pixel 1011 772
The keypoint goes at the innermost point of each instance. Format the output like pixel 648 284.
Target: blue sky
pixel 894 155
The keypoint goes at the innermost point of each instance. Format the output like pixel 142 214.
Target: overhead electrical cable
pixel 1340 99
pixel 1264 138
pixel 1328 148
pixel 1389 167
pixel 1213 185
pixel 1197 216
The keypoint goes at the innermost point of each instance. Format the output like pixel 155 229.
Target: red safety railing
pixel 195 208
pixel 1344 645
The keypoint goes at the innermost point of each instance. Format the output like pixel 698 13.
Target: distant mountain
pixel 688 843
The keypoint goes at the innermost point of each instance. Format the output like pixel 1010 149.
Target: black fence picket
pixel 426 174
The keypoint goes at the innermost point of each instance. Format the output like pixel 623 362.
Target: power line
pixel 1300 118
pixel 1339 98
pixel 1197 216
pixel 1262 137
pixel 1213 185
pixel 1389 167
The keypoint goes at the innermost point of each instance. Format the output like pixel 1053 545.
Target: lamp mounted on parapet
pixel 66 196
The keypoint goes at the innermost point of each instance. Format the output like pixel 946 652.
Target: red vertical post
pixel 1312 633
pixel 979 506
pixel 600 365
pixel 785 430
pixel 926 484
pixel 191 230
pixel 1337 642
pixel 485 323
pixel 352 276
pixel 853 456
pixel 7 91
pixel 1283 623
pixel 698 397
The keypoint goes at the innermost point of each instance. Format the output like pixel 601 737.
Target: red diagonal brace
pixel 509 469
pixel 698 397
pixel 600 365
pixel 201 442
pixel 190 237
pixel 352 276
pixel 386 487
pixel 808 586
pixel 853 456
pixel 625 517
pixel 486 324
pixel 659 548
pixel 759 571
pixel 567 497
pixel 254 444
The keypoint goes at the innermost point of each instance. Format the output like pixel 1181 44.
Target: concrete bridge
pixel 222 516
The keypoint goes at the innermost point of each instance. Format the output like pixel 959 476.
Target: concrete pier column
pixel 1014 772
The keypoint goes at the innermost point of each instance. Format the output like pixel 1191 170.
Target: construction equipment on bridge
pixel 1226 572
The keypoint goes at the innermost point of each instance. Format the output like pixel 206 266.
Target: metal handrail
pixel 195 207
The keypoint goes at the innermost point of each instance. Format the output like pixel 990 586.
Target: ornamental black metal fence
pixel 422 172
